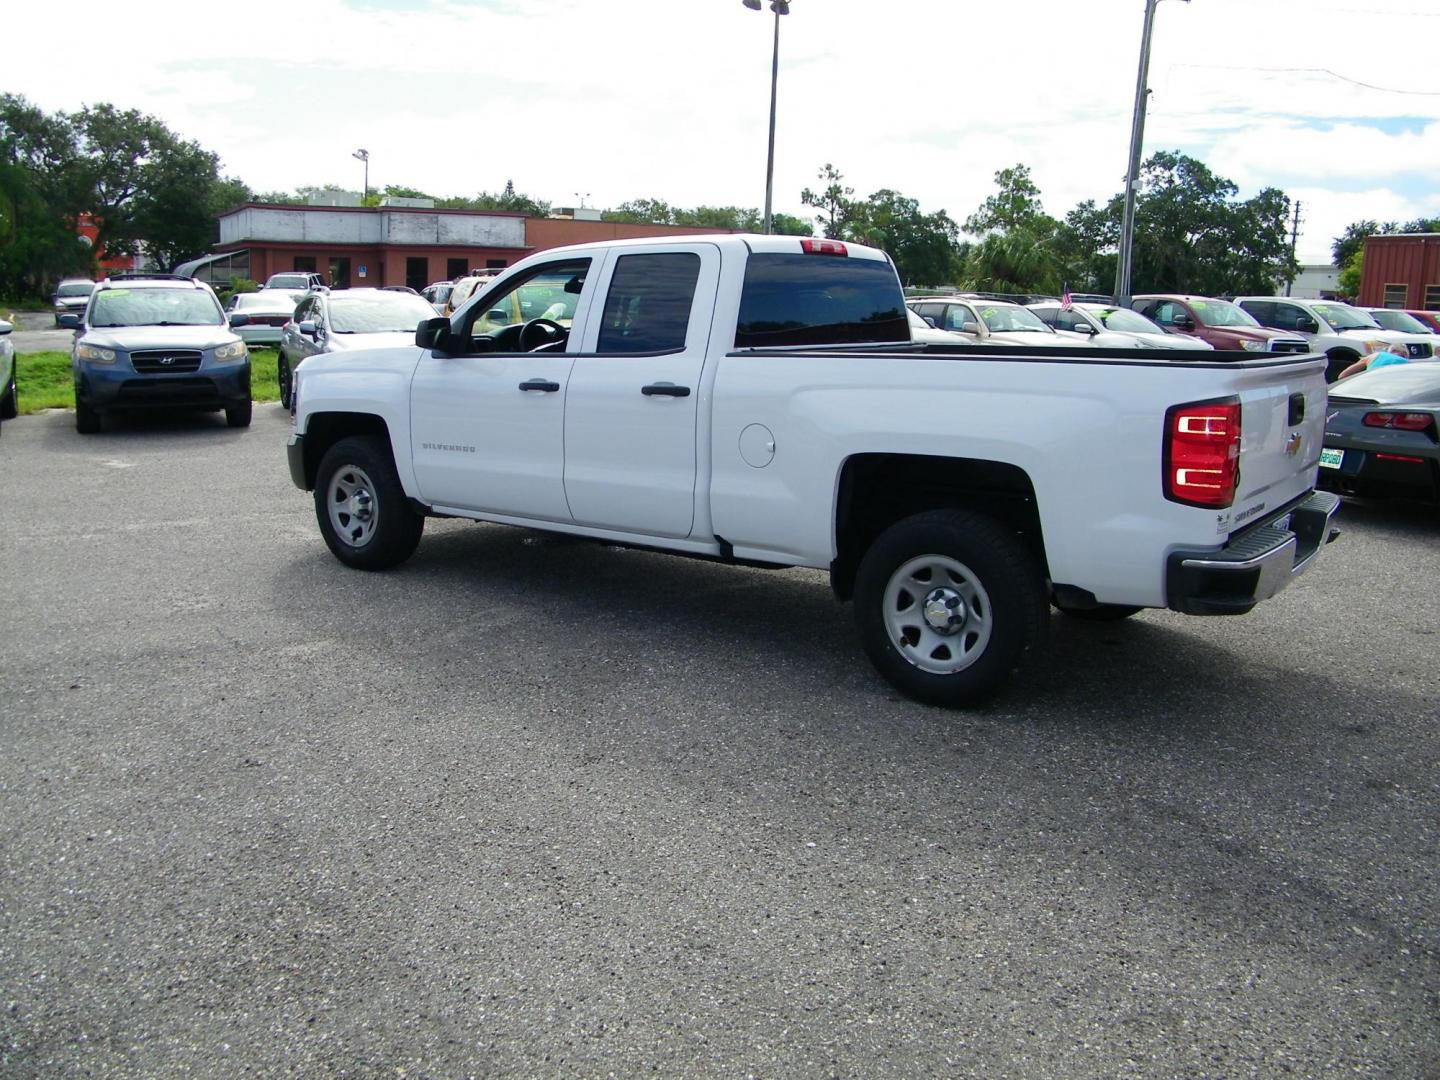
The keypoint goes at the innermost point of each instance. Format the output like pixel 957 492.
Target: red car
pixel 1429 318
pixel 1218 323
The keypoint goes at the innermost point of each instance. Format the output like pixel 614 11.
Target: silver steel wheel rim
pixel 354 510
pixel 937 614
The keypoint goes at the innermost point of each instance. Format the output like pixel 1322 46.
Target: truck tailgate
pixel 1282 426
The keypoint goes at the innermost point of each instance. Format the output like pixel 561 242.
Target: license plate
pixel 1331 459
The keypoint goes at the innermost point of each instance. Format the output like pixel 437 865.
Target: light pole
pixel 779 7
pixel 364 155
pixel 1132 177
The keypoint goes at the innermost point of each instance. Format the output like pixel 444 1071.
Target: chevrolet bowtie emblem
pixel 1292 444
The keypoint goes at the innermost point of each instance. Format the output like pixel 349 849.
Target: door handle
pixel 540 384
pixel 665 389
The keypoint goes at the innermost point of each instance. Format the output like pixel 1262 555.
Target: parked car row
pixel 9 401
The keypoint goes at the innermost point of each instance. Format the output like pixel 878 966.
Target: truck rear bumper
pixel 1256 564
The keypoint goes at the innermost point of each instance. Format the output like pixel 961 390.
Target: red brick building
pixel 1401 270
pixel 354 246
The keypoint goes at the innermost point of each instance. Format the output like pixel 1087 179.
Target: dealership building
pixel 1401 270
pixel 401 242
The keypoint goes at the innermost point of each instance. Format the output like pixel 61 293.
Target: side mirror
pixel 970 326
pixel 929 321
pixel 1307 325
pixel 1183 322
pixel 307 328
pixel 1084 328
pixel 5 327
pixel 70 322
pixel 433 334
pixel 239 318
pixel 497 315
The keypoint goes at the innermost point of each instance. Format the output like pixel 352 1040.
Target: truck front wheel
pixel 361 507
pixel 949 603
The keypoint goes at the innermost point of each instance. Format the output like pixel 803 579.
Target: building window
pixel 494 264
pixel 456 268
pixel 1396 296
pixel 1432 297
pixel 305 263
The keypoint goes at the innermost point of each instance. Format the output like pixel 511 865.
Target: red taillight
pixel 1401 421
pixel 823 247
pixel 1202 452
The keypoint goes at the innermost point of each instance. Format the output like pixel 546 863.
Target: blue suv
pixel 157 341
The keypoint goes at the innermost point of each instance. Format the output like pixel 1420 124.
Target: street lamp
pixel 779 7
pixel 364 155
pixel 1132 178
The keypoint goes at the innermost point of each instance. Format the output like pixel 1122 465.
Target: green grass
pixel 45 382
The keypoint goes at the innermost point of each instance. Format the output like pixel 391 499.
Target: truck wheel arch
pixel 324 430
pixel 874 491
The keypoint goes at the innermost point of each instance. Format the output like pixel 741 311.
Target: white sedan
pixel 1112 327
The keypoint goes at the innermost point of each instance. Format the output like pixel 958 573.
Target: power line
pixel 1313 71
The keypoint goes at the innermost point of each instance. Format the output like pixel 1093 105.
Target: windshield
pixel 154 307
pixel 377 314
pixel 76 288
pixel 277 302
pixel 1222 313
pixel 1397 384
pixel 1398 320
pixel 1007 318
pixel 1345 317
pixel 1125 321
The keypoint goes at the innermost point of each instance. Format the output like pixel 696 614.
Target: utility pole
pixel 1132 178
pixel 1294 242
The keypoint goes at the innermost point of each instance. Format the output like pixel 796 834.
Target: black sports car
pixel 1381 433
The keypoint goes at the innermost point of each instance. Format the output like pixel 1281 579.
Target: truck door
pixel 487 416
pixel 631 408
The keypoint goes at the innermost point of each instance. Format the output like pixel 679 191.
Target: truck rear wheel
pixel 364 516
pixel 949 603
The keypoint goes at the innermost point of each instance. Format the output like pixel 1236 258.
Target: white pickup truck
pixel 758 400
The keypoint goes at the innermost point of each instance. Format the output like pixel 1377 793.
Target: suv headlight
pixel 95 355
pixel 236 350
pixel 1253 346
pixel 1376 346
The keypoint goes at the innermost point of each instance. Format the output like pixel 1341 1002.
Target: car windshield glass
pixel 378 314
pixel 1398 320
pixel 810 300
pixel 1014 320
pixel 76 288
pixel 1222 313
pixel 154 307
pixel 1396 384
pixel 1125 321
pixel 1345 317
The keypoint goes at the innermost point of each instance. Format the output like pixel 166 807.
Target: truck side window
pixel 648 306
pixel 819 300
pixel 1264 313
pixel 549 292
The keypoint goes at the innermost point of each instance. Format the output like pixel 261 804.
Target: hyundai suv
pixel 157 342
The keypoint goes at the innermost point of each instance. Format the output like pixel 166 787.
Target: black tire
pixel 87 420
pixel 1001 596
pixel 10 402
pixel 285 378
pixel 239 415
pixel 1098 613
pixel 366 520
pixel 1337 360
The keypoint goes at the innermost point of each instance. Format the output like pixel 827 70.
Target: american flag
pixel 1065 302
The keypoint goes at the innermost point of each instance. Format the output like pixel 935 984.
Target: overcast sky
pixel 611 100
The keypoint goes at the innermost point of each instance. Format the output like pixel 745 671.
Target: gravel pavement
pixel 538 807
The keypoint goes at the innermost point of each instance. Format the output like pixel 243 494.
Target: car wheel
pixel 1337 360
pixel 949 603
pixel 285 379
pixel 87 420
pixel 366 520
pixel 1098 613
pixel 10 403
pixel 239 416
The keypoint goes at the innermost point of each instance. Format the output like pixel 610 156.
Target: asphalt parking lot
pixel 540 807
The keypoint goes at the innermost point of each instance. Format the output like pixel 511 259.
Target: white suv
pixel 1343 333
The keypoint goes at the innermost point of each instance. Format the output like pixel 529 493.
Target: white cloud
pixel 670 98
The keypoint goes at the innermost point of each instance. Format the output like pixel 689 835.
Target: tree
pixel 1016 205
pixel 1352 240
pixel 1018 261
pixel 642 212
pixel 1350 274
pixel 832 202
pixel 922 245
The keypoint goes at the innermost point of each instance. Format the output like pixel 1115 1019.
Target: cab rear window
pixel 819 300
